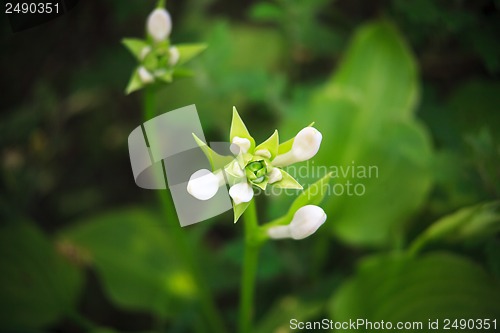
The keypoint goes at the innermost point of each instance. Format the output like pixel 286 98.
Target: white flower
pixel 305 222
pixel 263 152
pixel 305 146
pixel 239 145
pixel 174 55
pixel 203 184
pixel 145 75
pixel 274 176
pixel 241 192
pixel 159 24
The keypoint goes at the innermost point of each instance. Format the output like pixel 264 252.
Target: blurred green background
pixel 412 87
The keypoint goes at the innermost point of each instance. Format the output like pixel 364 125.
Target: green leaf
pixel 287 182
pixel 240 209
pixel 216 160
pixel 406 289
pixel 239 129
pixel 135 46
pixel 469 223
pixel 189 51
pixel 37 286
pixel 278 317
pixel 132 252
pixel 271 144
pixel 267 12
pixel 365 114
pixel 134 84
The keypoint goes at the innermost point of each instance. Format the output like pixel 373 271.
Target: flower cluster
pixel 158 60
pixel 258 166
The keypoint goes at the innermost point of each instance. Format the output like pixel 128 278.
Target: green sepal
pixel 286 146
pixel 262 184
pixel 135 46
pixel 239 209
pixel 166 77
pixel 135 83
pixel 151 62
pixel 271 144
pixel 287 182
pixel 239 129
pixel 189 51
pixel 216 160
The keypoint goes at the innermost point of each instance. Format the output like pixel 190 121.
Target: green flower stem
pixel 250 264
pixel 209 309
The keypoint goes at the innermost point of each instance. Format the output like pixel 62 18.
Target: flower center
pixel 255 171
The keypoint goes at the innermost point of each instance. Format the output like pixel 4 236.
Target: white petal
pixel 239 145
pixel 263 152
pixel 174 55
pixel 237 170
pixel 159 24
pixel 145 75
pixel 306 221
pixel 241 192
pixel 278 232
pixel 203 184
pixel 275 176
pixel 144 52
pixel 305 145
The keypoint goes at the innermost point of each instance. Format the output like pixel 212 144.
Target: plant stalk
pixel 208 307
pixel 250 264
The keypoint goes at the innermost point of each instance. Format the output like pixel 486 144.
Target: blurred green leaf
pixel 133 255
pixel 277 319
pixel 371 141
pixel 402 289
pixel 37 286
pixel 469 223
pixel 264 11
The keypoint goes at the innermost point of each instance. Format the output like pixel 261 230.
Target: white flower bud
pixel 144 52
pixel 159 24
pixel 305 145
pixel 145 75
pixel 241 192
pixel 174 55
pixel 263 152
pixel 274 176
pixel 239 145
pixel 203 184
pixel 305 222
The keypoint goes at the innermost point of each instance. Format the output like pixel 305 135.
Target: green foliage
pixel 365 114
pixel 435 286
pixel 468 224
pixel 151 276
pixel 37 286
